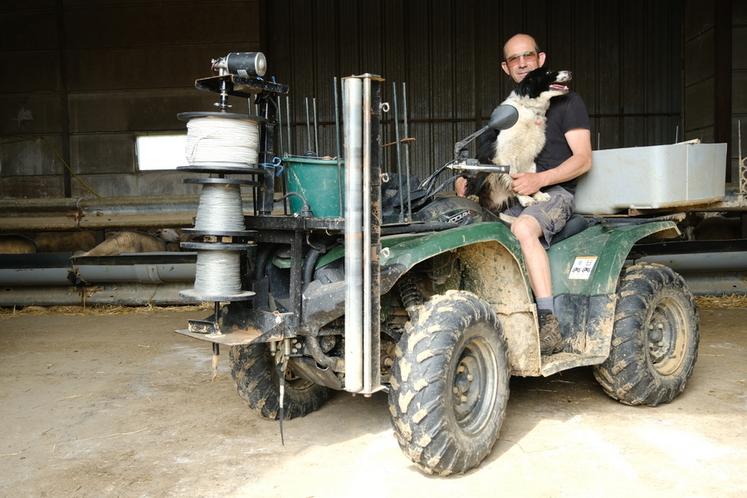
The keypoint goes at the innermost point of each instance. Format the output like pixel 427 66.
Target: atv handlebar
pixel 473 165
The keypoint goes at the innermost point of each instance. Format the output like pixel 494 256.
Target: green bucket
pixel 317 181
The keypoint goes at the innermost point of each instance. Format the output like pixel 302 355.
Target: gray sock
pixel 545 303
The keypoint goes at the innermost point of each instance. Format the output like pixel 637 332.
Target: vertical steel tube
pixel 337 145
pixel 399 160
pixel 308 127
pixel 351 111
pixel 371 231
pixel 288 123
pixel 316 129
pixel 407 151
pixel 367 319
pixel 279 110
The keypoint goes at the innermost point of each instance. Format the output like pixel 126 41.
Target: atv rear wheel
pixel 258 383
pixel 654 340
pixel 449 384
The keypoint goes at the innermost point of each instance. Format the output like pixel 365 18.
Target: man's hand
pixel 460 186
pixel 527 183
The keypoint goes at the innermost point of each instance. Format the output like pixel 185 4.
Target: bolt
pixel 469 377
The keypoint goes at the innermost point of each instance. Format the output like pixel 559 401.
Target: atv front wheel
pixel 258 383
pixel 449 384
pixel 654 339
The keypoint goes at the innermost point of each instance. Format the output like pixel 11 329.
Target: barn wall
pixel 739 81
pixel 625 56
pixel 83 77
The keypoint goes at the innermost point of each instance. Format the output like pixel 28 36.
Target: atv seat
pixel 574 225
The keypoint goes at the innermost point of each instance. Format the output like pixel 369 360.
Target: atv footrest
pixel 234 338
pixel 563 361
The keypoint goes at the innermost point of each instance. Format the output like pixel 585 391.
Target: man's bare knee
pixel 526 228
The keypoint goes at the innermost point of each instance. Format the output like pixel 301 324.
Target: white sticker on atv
pixel 582 266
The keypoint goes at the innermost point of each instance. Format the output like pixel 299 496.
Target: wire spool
pixel 219 209
pixel 218 139
pixel 217 273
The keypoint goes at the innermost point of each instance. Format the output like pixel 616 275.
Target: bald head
pixel 519 40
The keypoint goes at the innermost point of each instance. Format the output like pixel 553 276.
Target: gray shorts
pixel 552 215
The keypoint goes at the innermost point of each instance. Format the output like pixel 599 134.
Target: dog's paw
pixel 526 200
pixel 541 197
pixel 507 218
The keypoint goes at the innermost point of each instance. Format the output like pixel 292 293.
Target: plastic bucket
pixel 318 182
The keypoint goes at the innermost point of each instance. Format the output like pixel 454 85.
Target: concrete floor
pixel 119 405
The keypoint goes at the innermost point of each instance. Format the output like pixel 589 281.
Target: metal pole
pixel 316 129
pixel 337 145
pixel 288 123
pixel 283 182
pixel 407 151
pixel 367 319
pixel 280 126
pixel 351 111
pixel 308 127
pixel 399 164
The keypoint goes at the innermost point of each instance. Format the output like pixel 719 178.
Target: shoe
pixel 550 339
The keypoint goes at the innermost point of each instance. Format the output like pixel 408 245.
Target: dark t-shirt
pixel 566 113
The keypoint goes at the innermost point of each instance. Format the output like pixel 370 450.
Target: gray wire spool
pixel 220 210
pixel 221 139
pixel 217 273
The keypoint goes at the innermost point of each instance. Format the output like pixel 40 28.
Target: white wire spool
pixel 220 208
pixel 214 139
pixel 217 273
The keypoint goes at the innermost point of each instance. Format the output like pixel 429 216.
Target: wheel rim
pixel 474 379
pixel 666 334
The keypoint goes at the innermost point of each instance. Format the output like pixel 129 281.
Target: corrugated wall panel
pixel 625 56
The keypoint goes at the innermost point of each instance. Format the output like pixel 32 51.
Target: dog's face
pixel 544 82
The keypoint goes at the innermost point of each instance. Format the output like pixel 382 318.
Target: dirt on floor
pixel 116 404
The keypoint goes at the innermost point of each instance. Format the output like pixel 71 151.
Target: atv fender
pixel 493 268
pixel 585 272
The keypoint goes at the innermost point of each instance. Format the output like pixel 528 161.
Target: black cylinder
pixel 246 64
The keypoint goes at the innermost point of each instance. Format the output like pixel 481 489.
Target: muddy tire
pixel 449 384
pixel 654 340
pixel 257 382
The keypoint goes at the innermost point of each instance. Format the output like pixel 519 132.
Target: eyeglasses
pixel 514 59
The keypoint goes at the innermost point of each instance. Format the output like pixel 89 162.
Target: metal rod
pixel 337 145
pixel 316 129
pixel 283 182
pixel 288 123
pixel 407 151
pixel 308 126
pixel 367 318
pixel 352 120
pixel 281 148
pixel 398 159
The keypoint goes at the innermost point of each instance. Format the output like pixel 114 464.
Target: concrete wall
pixel 83 78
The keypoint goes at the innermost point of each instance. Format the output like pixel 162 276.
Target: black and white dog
pixel 519 145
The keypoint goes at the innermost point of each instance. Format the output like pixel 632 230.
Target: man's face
pixel 521 57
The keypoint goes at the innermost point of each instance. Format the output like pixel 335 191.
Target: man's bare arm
pixel 579 141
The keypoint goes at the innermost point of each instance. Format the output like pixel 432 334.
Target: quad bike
pixel 437 311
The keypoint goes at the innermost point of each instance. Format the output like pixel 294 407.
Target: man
pixel 566 156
